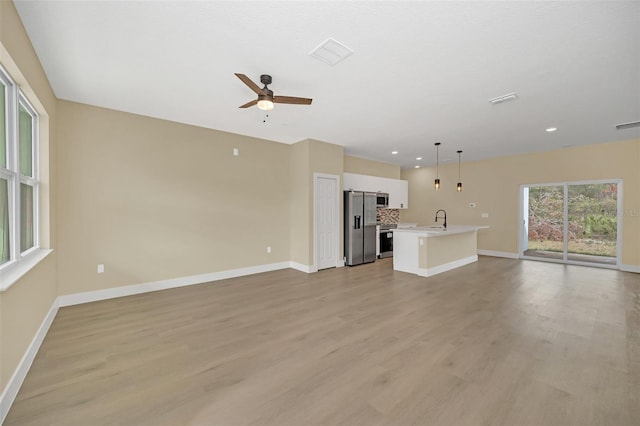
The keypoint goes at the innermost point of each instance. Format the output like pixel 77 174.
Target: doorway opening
pixel 572 222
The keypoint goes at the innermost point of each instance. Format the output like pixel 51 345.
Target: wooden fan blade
pixel 250 83
pixel 291 100
pixel 249 104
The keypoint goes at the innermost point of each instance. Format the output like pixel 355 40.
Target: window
pixel 572 222
pixel 18 173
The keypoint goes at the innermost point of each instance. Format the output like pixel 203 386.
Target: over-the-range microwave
pixel 382 200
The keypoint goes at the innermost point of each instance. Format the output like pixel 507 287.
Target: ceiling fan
pixel 266 99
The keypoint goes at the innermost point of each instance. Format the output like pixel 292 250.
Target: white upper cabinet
pixel 399 194
pixel 363 183
pixel 397 189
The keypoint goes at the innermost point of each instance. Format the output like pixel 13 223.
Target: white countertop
pixel 437 231
pixel 407 225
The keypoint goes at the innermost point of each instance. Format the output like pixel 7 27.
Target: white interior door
pixel 327 221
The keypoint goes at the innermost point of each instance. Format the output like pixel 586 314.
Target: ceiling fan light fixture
pixel 266 99
pixel 264 103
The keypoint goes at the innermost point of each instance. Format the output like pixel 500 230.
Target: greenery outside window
pixel 18 173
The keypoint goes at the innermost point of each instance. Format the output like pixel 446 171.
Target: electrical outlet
pixel 236 152
pixel 100 268
pixel 485 215
pixel 269 249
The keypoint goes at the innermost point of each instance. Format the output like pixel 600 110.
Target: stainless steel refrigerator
pixel 359 227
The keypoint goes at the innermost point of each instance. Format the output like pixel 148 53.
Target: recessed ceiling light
pixel 418 158
pixel 416 167
pixel 394 152
pixel 551 129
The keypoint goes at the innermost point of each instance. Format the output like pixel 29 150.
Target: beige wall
pixel 362 166
pixel 24 306
pixel 154 200
pixel 494 186
pixel 300 207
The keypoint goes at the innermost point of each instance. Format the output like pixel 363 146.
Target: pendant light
pixel 459 186
pixel 436 183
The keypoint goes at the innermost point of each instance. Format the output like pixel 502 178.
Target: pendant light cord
pixel 437 144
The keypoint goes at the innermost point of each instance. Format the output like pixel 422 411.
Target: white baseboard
pixel 624 268
pixel 309 269
pixel 630 268
pixel 111 293
pixel 498 254
pixel 13 386
pixel 429 272
pixel 302 268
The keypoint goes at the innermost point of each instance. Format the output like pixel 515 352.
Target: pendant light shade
pixel 436 183
pixel 459 186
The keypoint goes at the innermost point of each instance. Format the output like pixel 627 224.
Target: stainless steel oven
pixel 386 240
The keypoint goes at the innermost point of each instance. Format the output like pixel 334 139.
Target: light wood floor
pixel 499 342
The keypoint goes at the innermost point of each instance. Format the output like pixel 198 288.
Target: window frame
pixel 32 180
pixel 14 98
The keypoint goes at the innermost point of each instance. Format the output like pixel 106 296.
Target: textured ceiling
pixel 422 72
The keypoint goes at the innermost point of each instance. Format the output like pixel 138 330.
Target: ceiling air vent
pixel 331 52
pixel 504 98
pixel 628 125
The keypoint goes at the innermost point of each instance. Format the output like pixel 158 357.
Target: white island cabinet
pixel 431 250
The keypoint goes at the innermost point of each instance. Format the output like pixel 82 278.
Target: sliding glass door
pixel 593 223
pixel 572 222
pixel 544 221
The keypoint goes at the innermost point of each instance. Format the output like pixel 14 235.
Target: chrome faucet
pixel 444 226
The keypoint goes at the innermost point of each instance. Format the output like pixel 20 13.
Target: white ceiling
pixel 422 72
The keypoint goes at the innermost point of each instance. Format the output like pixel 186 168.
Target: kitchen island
pixel 431 250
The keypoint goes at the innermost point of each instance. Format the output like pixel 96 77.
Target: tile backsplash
pixel 388 216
